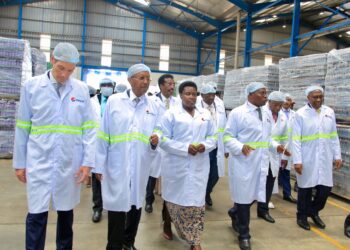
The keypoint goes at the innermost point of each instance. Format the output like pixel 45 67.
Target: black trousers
pixel 241 214
pixel 213 172
pixel 36 230
pixel 122 228
pixel 308 207
pixel 149 190
pixel 263 207
pixel 96 194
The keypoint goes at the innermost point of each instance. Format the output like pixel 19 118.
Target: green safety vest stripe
pixel 256 144
pixel 157 131
pixel 23 124
pixel 314 137
pixel 221 130
pixel 123 137
pixel 280 137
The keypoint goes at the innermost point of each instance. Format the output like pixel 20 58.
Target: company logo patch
pixel 73 99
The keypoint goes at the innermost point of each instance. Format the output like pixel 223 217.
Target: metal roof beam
pixel 141 12
pixel 17 2
pixel 261 6
pixel 199 15
pixel 241 4
pixel 334 11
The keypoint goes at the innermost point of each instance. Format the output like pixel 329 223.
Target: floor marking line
pixel 338 206
pixel 329 239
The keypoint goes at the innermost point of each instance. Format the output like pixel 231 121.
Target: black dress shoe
pixel 267 217
pixel 149 208
pixel 233 220
pixel 96 216
pixel 126 247
pixel 318 222
pixel 208 200
pixel 303 224
pixel 290 199
pixel 347 226
pixel 244 244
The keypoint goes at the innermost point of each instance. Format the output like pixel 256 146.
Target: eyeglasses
pixel 142 78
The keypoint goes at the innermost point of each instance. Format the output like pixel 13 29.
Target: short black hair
pixel 162 78
pixel 186 84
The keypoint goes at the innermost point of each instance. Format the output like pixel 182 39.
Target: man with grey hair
pixel 125 147
pixel 54 146
pixel 316 150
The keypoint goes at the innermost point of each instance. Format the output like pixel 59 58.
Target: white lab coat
pixel 124 152
pixel 315 145
pixel 279 133
pixel 185 177
pixel 290 141
pixel 96 107
pixel 54 137
pixel 219 129
pixel 157 160
pixel 247 174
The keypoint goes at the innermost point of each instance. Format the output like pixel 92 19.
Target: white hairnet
pixel 214 84
pixel 254 86
pixel 120 87
pixel 277 96
pixel 208 89
pixel 92 90
pixel 66 52
pixel 107 81
pixel 137 68
pixel 313 88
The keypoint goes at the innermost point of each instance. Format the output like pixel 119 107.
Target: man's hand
pixel 282 150
pixel 284 164
pixel 247 149
pixel 298 168
pixel 192 149
pixel 337 164
pixel 227 155
pixel 82 174
pixel 98 177
pixel 154 140
pixel 200 148
pixel 21 175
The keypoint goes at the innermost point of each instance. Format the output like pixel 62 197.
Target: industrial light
pixel 244 30
pixel 284 26
pixel 143 2
pixel 203 33
pixel 348 32
pixel 340 35
pixel 321 13
pixel 274 16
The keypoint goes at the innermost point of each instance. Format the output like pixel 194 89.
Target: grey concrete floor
pixel 218 234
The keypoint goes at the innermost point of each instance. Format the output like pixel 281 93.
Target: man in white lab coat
pixel 54 146
pixel 284 173
pixel 316 149
pixel 279 134
pixel 125 147
pixel 247 138
pixel 217 156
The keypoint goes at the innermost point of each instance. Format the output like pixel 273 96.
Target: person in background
pixel 284 172
pixel 99 102
pixel 247 138
pixel 217 156
pixel 125 147
pixel 188 136
pixel 166 101
pixel 316 150
pixel 54 146
pixel 279 134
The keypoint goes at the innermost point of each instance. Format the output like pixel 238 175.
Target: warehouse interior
pixel 286 44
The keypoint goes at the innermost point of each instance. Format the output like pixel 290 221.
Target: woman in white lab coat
pixel 188 137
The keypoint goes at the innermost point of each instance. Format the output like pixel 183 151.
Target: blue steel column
pixel 144 34
pixel 295 29
pixel 248 40
pixel 19 29
pixel 83 42
pixel 218 48
pixel 199 56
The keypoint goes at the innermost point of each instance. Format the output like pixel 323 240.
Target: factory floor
pixel 218 234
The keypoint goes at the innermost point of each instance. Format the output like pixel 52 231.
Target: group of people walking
pixel 136 139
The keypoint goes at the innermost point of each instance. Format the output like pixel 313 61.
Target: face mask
pixel 106 91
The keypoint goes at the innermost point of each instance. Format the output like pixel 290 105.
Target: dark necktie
pixel 259 112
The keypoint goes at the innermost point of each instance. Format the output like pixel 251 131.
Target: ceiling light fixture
pixel 348 32
pixel 143 2
pixel 340 35
pixel 274 16
pixel 321 13
pixel 284 26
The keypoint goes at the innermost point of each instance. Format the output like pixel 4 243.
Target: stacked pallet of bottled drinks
pixel 219 79
pixel 15 69
pixel 297 73
pixel 39 65
pixel 237 80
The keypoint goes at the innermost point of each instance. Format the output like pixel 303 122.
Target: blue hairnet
pixel 254 86
pixel 66 52
pixel 120 87
pixel 313 88
pixel 277 96
pixel 207 89
pixel 137 68
pixel 107 81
